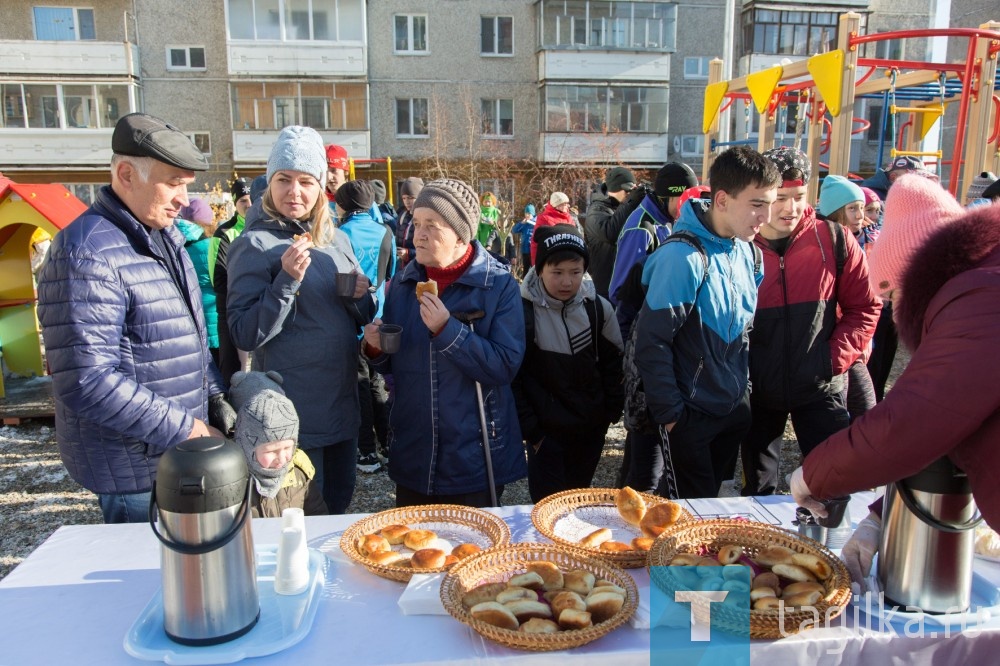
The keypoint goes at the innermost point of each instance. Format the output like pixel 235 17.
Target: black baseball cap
pixel 142 135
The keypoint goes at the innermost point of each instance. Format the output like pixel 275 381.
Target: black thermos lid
pixel 201 475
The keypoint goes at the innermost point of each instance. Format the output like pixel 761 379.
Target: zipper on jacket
pixel 697 373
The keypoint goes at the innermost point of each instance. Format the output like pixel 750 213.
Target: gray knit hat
pixel 454 201
pixel 268 417
pixel 245 385
pixel 298 149
pixel 411 187
pixel 979 185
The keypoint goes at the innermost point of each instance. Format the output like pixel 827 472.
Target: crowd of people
pixel 666 301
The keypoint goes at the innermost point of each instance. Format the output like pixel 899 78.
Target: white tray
pixel 284 621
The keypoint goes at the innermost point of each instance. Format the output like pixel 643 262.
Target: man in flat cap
pixel 120 308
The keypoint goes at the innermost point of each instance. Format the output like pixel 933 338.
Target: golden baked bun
pixel 388 558
pixel 428 558
pixel 575 619
pixel 530 580
pixel 815 565
pixel 462 551
pixel 551 575
pixel 417 539
pixel 373 543
pixel 615 547
pixel 596 538
pixel 494 613
pixel 802 598
pixel 607 586
pixel 766 579
pixel 794 572
pixel 730 554
pixel 642 543
pixel 429 287
pixel 761 593
pixel 450 560
pixel 631 506
pixel 394 533
pixel 775 555
pixel 524 609
pixel 579 581
pixel 685 560
pixel 659 517
pixel 514 593
pixel 767 603
pixel 481 593
pixel 799 588
pixel 537 625
pixel 567 599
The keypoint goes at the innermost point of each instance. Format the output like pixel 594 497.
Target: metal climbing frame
pixel 831 82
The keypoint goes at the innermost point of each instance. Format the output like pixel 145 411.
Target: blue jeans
pixel 121 508
pixel 336 466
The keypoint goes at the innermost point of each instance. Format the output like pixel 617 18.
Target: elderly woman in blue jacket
pixel 283 306
pixel 435 438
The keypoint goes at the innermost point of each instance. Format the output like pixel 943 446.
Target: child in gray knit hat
pixel 267 429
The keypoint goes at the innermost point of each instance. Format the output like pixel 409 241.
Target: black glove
pixel 221 414
pixel 635 197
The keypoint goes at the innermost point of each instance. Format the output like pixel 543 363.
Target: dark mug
pixel 346 284
pixel 390 336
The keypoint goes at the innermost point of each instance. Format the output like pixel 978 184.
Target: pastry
pixel 730 554
pixel 481 593
pixel 631 506
pixel 417 539
pixel 775 555
pixel 802 598
pixel 524 609
pixel 794 572
pixel 659 517
pixel 799 588
pixel 767 603
pixel 579 581
pixel 566 599
pixel 394 533
pixel 596 538
pixel 450 560
pixel 642 543
pixel 494 613
pixel 571 618
pixel 429 287
pixel 515 592
pixel 428 558
pixel 817 566
pixel 761 593
pixel 602 605
pixel 462 551
pixel 373 543
pixel 551 575
pixel 388 558
pixel 615 547
pixel 607 587
pixel 306 235
pixel 530 580
pixel 685 560
pixel 537 625
pixel 766 579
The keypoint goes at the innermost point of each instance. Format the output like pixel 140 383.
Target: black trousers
pixel 373 399
pixel 229 356
pixel 645 462
pixel 761 448
pixel 478 500
pixel 699 451
pixel 564 462
pixel 884 346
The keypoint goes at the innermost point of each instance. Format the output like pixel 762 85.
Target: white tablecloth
pixel 74 599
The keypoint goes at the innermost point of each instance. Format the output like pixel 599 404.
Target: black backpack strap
pixel 529 320
pixel 839 239
pixel 595 313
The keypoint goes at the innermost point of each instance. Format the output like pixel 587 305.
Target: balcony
pixel 296 59
pixel 68 58
pixel 603 65
pixel 30 148
pixel 252 147
pixel 575 148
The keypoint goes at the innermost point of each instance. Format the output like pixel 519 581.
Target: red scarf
pixel 446 276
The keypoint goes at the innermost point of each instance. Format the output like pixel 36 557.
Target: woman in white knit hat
pixel 284 306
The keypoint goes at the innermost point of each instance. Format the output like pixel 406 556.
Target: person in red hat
pixel 338 166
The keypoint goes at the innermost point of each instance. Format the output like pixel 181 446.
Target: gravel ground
pixel 37 496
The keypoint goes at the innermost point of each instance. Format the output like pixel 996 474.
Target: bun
pixel 306 235
pixel 766 579
pixel 615 547
pixel 642 543
pixel 799 588
pixel 775 555
pixel 493 613
pixel 450 560
pixel 659 517
pixel 579 581
pixel 596 538
pixel 767 603
pixel 417 539
pixel 815 565
pixel 631 506
pixel 428 558
pixel 761 593
pixel 567 599
pixel 524 609
pixel 481 593
pixel 464 550
pixel 389 558
pixel 802 598
pixel 730 554
pixel 551 575
pixel 537 625
pixel 794 572
pixel 686 560
pixel 514 593
pixel 602 605
pixel 429 287
pixel 608 586
pixel 575 619
pixel 530 580
pixel 394 533
pixel 373 543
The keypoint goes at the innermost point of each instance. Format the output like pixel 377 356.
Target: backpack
pixel 636 415
pixel 595 313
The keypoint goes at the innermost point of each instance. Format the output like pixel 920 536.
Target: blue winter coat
pixel 303 330
pixel 374 246
pixel 126 348
pixel 435 438
pixel 198 246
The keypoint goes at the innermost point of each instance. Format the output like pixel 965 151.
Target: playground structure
pixel 27 213
pixel 389 186
pixel 916 91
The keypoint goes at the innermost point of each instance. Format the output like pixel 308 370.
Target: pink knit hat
pixel 915 208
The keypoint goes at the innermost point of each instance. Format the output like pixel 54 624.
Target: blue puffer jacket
pixel 695 353
pixel 198 246
pixel 127 351
pixel 435 440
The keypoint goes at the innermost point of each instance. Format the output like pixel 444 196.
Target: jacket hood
pixel 190 230
pixel 952 250
pixel 532 289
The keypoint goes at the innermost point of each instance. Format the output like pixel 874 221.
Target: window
pixel 777 32
pixel 296 20
pixel 889 49
pixel 202 141
pixel 498 117
pixel 696 68
pixel 411 117
pixel 875 119
pixel 324 106
pixel 62 106
pixel 185 58
pixel 410 33
pixel 605 109
pixel 692 145
pixel 497 36
pixel 64 23
pixel 601 24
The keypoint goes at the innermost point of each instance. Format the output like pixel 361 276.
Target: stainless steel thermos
pixel 928 540
pixel 202 492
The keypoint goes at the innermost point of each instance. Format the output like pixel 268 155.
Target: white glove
pixel 860 549
pixel 803 496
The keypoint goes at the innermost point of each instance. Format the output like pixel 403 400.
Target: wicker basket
pixel 491 530
pixel 555 507
pixel 500 564
pixel 754 537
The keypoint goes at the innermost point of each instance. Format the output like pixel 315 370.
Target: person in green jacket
pixel 229 360
pixel 489 215
pixel 191 221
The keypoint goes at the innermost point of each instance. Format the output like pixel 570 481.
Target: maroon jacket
pixel 800 345
pixel 947 401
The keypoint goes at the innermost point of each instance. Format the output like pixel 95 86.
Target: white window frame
pixel 410 50
pixel 495 103
pixel 495 53
pixel 187 58
pixel 701 71
pixel 208 137
pixel 76 21
pixel 699 145
pixel 411 134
